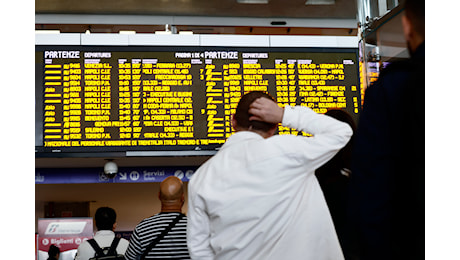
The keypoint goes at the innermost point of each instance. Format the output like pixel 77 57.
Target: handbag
pixel 159 237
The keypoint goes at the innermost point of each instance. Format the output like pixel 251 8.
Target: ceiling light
pixel 252 1
pixel 186 32
pixel 127 32
pixel 47 31
pixel 163 32
pixel 320 2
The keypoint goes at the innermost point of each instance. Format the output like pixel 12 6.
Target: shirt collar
pixel 419 52
pixel 105 232
pixel 241 136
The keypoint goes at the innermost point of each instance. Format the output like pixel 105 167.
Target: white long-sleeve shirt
pixel 259 198
pixel 103 238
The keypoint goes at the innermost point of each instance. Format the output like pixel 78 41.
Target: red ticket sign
pixel 65 233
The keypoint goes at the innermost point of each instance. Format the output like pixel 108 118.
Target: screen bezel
pixel 121 151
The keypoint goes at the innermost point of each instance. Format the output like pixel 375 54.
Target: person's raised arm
pixel 329 134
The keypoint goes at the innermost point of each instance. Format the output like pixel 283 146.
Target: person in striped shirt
pixel 174 244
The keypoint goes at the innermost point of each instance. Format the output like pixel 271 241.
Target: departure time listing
pixel 182 98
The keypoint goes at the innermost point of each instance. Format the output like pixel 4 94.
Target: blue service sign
pixel 124 175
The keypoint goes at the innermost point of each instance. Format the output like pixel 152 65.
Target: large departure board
pixel 138 98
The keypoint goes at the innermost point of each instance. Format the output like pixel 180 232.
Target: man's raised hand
pixel 266 110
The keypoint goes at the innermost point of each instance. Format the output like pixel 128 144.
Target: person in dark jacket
pixel 386 209
pixel 333 177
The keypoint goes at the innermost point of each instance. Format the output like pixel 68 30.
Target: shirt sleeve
pixel 198 231
pixel 329 135
pixel 84 251
pixel 134 250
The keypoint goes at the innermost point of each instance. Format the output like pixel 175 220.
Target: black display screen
pixel 115 99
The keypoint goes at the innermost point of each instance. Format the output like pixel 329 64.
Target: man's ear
pixel 234 123
pixel 407 28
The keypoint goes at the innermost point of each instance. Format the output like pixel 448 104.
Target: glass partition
pixel 382 42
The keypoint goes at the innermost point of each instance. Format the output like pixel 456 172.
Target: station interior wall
pixel 132 201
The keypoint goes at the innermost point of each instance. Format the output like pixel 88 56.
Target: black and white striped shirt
pixel 172 246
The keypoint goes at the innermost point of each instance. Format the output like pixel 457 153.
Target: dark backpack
pixel 106 253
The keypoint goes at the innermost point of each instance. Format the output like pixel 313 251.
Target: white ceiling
pixel 199 16
pixel 344 9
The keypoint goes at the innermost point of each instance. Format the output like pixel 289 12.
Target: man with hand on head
pixel 258 197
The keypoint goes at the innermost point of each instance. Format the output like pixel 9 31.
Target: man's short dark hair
pixel 415 12
pixel 105 218
pixel 242 112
